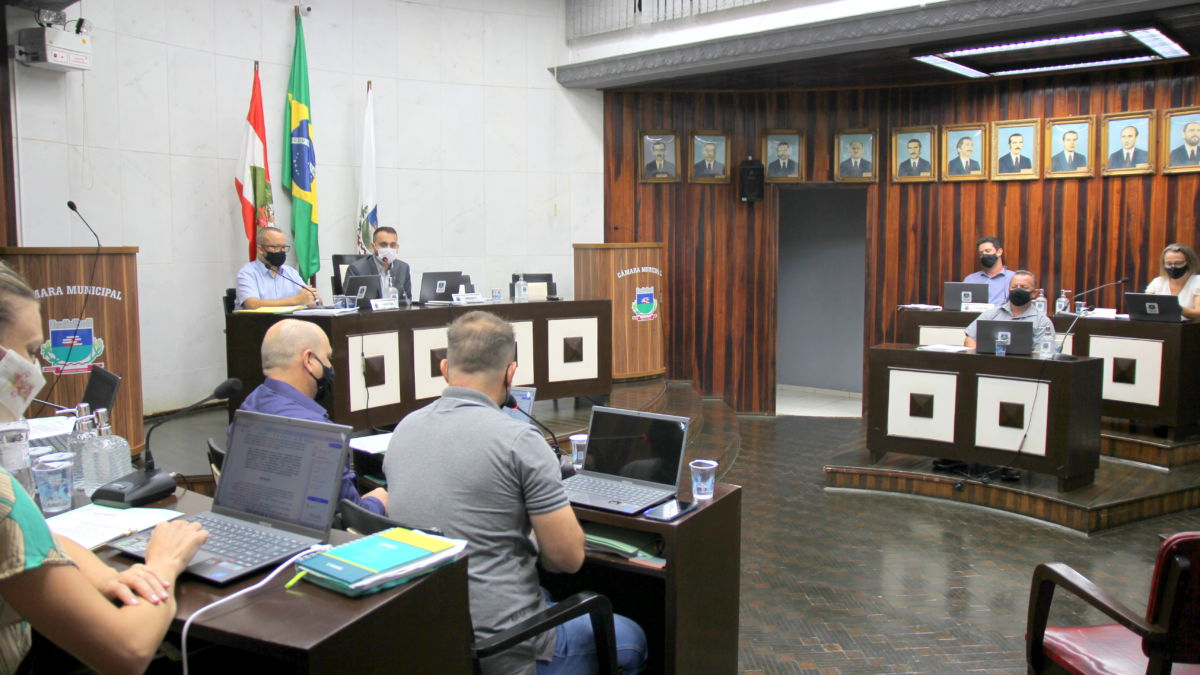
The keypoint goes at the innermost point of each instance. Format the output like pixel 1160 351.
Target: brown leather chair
pixel 1169 634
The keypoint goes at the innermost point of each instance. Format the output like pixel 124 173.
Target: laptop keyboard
pixel 247 546
pixel 612 489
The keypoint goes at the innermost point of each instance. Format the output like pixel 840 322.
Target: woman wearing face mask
pixel 53 584
pixel 1179 277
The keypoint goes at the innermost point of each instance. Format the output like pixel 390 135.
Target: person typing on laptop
pixel 464 466
pixel 296 362
pixel 1019 307
pixel 1179 267
pixel 52 583
pixel 993 272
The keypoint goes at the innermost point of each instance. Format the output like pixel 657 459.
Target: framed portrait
pixel 964 152
pixel 914 152
pixel 658 157
pixel 710 157
pixel 1068 147
pixel 783 150
pixel 856 156
pixel 1015 145
pixel 1127 143
pixel 1181 140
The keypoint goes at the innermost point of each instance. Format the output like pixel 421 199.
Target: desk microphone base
pixel 135 489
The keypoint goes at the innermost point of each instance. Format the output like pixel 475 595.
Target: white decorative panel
pixel 358 348
pixel 941 335
pixel 523 331
pixel 1032 395
pixel 558 369
pixel 942 386
pixel 425 340
pixel 1148 357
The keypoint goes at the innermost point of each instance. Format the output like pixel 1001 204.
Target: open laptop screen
pixel 287 471
pixel 635 444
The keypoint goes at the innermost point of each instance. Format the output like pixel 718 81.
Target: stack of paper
pixel 92 525
pixel 379 561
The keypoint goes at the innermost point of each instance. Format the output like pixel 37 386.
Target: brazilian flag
pixel 300 162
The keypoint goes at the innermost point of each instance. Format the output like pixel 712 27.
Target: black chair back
pixel 340 262
pixel 229 299
pixel 361 521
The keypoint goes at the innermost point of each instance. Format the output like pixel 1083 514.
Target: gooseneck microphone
pixel 279 271
pixel 150 484
pixel 1058 352
pixel 71 205
pixel 567 468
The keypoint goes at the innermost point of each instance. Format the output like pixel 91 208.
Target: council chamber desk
pixel 1149 367
pixel 423 626
pixel 387 362
pixel 1028 413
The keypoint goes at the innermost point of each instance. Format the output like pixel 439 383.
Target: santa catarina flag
pixel 253 184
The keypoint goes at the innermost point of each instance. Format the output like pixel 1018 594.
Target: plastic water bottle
pixel 1063 303
pixel 521 289
pixel 14 452
pixel 393 294
pixel 85 428
pixel 1039 303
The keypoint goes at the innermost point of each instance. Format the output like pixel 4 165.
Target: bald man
pixel 296 359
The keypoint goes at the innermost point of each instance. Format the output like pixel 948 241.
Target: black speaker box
pixel 750 181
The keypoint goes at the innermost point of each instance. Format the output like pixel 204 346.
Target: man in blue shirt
pixel 266 281
pixel 994 273
pixel 296 360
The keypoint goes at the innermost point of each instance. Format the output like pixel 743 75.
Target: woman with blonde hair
pixel 57 586
pixel 1180 276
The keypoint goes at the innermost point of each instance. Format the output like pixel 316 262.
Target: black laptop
pixel 1149 307
pixel 632 462
pixel 1019 334
pixel 955 293
pixel 364 288
pixel 438 288
pixel 276 497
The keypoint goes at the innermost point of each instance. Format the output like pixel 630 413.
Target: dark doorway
pixel 822 286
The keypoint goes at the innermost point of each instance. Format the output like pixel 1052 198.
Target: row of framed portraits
pixel 1029 149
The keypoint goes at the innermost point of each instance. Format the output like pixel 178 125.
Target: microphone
pixel 568 469
pixel 1058 352
pixel 279 271
pixel 150 484
pixel 1122 280
pixel 71 205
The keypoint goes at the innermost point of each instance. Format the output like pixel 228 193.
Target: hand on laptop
pixel 172 546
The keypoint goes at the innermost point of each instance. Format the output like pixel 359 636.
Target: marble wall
pixel 484 163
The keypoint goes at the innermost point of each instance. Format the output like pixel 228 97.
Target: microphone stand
pixel 316 296
pixel 565 466
pixel 1058 355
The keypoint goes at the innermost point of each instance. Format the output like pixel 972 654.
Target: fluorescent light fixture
pixel 1034 44
pixel 1154 39
pixel 950 65
pixel 1073 66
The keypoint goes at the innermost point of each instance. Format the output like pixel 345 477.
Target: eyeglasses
pixel 282 248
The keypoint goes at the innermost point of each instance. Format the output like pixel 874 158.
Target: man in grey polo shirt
pixel 1018 308
pixel 464 466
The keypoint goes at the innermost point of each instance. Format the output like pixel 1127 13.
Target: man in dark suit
pixel 392 272
pixel 856 166
pixel 915 165
pixel 1129 156
pixel 1013 161
pixel 1068 159
pixel 783 167
pixel 1187 154
pixel 708 166
pixel 963 165
pixel 659 167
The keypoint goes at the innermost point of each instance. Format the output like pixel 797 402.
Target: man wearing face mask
pixel 1018 308
pixel 266 281
pixel 392 271
pixel 994 273
pixel 296 362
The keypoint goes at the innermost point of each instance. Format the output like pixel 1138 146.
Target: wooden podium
pixel 88 318
pixel 631 275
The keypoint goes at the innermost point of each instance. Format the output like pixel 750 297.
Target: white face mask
pixel 20 381
pixel 387 255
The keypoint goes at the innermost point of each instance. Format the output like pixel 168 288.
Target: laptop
pixel 633 460
pixel 1148 307
pixel 365 287
pixel 524 396
pixel 437 288
pixel 955 293
pixel 277 496
pixel 1020 337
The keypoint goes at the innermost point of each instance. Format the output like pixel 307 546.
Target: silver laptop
pixel 633 460
pixel 524 396
pixel 277 496
pixel 955 293
pixel 1149 307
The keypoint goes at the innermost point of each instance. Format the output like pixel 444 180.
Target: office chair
pixel 1169 633
pixel 341 261
pixel 229 300
pixel 216 458
pixel 465 282
pixel 596 606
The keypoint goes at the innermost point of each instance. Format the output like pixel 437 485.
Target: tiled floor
pixel 812 402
